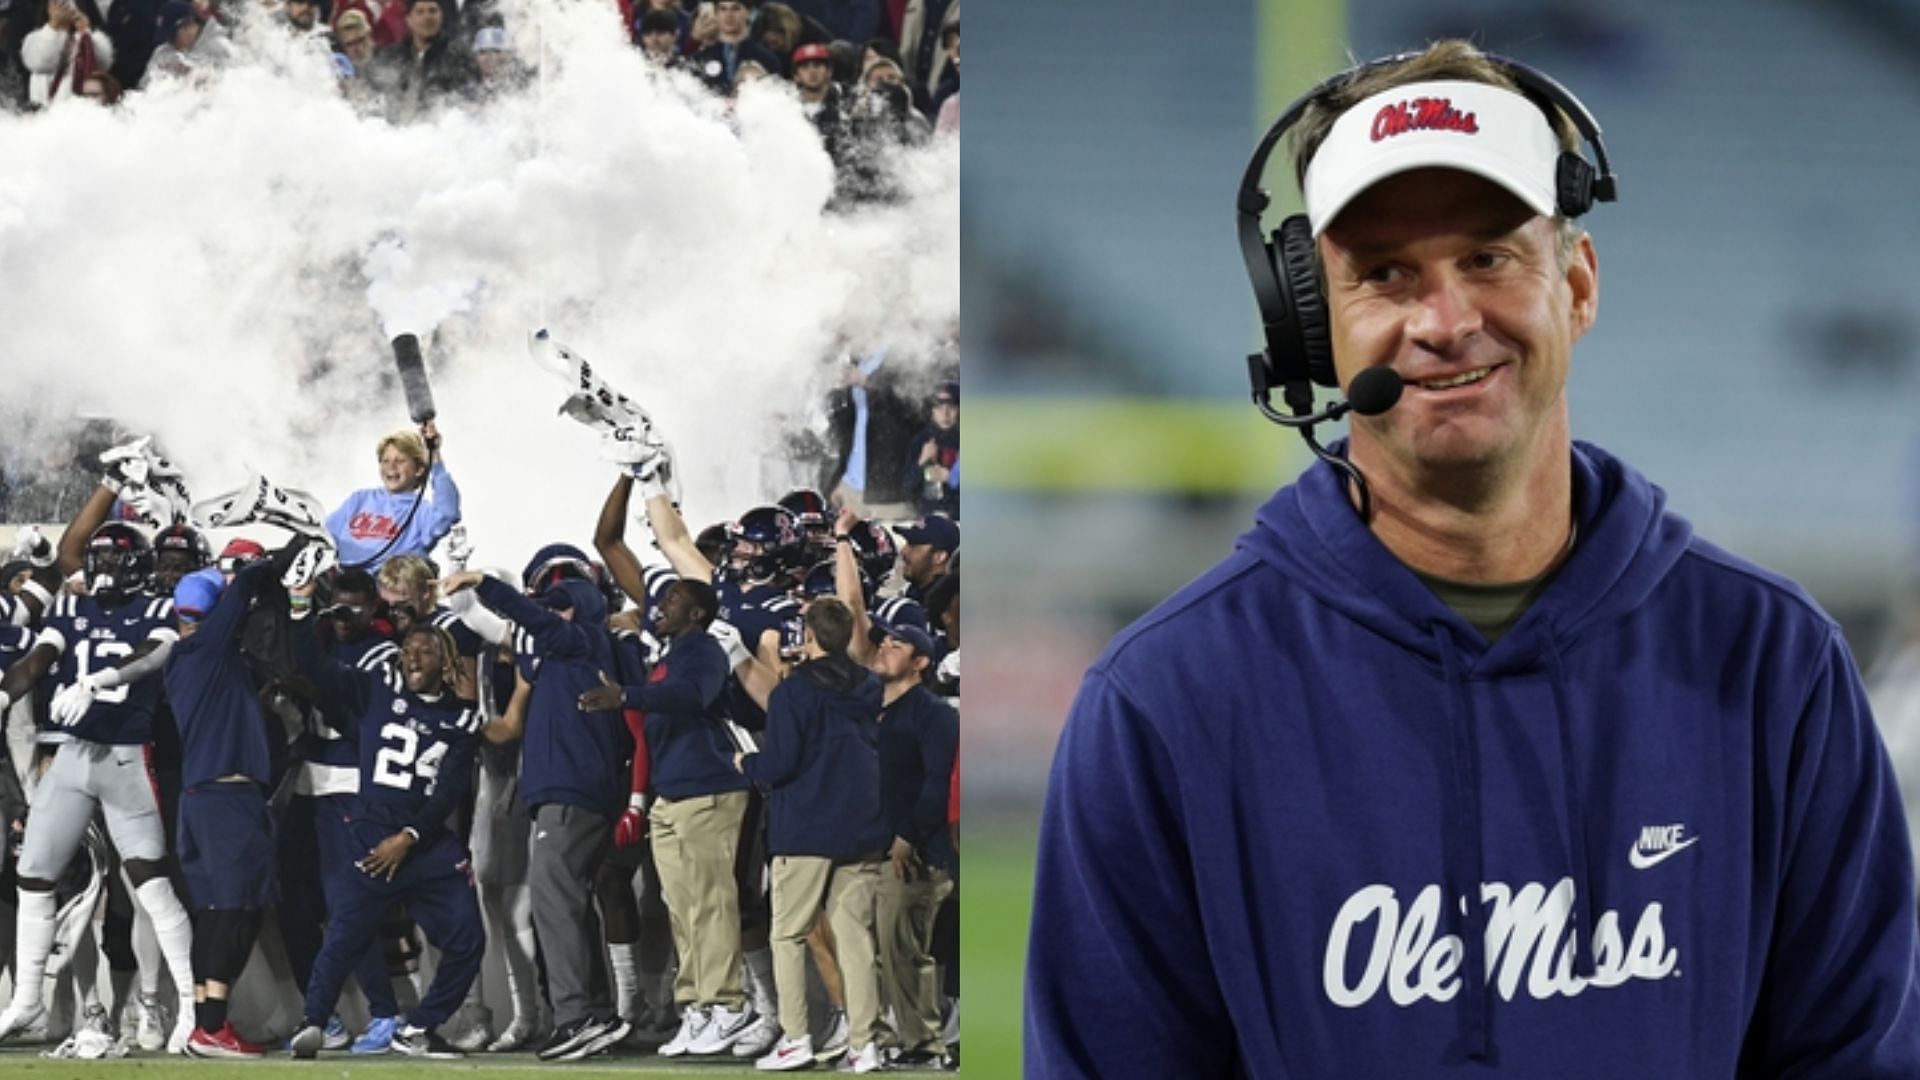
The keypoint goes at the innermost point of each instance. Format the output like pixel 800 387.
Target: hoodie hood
pixel 589 607
pixel 1625 546
pixel 841 676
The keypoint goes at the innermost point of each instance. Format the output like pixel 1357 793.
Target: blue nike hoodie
pixel 567 756
pixel 820 762
pixel 1305 821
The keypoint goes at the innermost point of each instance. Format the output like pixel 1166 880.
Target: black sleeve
pixel 335 681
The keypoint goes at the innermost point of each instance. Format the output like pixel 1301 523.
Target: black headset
pixel 1285 270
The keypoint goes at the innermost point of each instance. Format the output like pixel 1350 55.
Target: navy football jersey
pixel 92 638
pixel 332 762
pixel 404 742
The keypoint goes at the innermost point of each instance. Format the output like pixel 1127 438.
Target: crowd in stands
pixel 872 74
pixel 696 791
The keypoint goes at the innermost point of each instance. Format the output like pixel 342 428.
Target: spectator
pixel 778 29
pixel 719 63
pixel 749 71
pixel 844 20
pixel 300 16
pixel 825 829
pixel 425 68
pixel 660 31
pixel 949 83
pixel 375 524
pixel 195 39
pixel 101 86
pixel 922 49
pixel 353 37
pixel 681 23
pixel 62 53
pixel 129 23
pixel 871 423
pixel 500 70
pixel 933 463
pixel 813 77
pixel 703 31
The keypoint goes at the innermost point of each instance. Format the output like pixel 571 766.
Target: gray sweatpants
pixel 567 844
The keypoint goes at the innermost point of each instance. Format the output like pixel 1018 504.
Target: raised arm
pixel 670 530
pixel 846 585
pixel 610 540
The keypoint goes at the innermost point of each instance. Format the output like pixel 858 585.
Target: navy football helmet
pixel 777 543
pixel 119 560
pixel 875 548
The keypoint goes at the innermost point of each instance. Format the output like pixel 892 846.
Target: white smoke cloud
pixel 223 262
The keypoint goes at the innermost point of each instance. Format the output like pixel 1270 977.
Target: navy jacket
pixel 686 720
pixel 568 757
pixel 223 730
pixel 821 761
pixel 1305 821
pixel 919 737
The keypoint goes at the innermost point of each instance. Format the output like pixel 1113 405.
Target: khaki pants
pixel 694 841
pixel 799 882
pixel 909 978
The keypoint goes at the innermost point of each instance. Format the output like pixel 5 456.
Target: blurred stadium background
pixel 1757 353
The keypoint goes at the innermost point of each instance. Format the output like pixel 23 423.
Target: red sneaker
pixel 225 1043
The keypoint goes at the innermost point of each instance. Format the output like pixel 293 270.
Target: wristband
pixel 637 801
pixel 843 538
pixel 413 832
pixel 38 592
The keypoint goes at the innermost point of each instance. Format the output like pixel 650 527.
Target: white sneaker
pixel 154 1023
pixel 514 1037
pixel 864 1060
pixel 789 1055
pixel 18 1023
pixel 724 1028
pixel 470 1024
pixel 182 1028
pixel 759 1038
pixel 835 1042
pixel 693 1024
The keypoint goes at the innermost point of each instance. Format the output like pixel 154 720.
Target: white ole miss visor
pixel 1470 126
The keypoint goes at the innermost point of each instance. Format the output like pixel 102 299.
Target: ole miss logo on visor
pixel 1423 114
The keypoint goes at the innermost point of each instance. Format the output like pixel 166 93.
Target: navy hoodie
pixel 223 730
pixel 820 759
pixel 690 752
pixel 567 757
pixel 1304 821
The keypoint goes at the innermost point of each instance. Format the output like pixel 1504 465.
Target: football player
pixel 103 650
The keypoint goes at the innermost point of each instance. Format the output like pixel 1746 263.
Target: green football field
pixel 996 898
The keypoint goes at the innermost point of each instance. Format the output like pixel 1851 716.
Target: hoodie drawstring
pixel 1466 859
pixel 1581 868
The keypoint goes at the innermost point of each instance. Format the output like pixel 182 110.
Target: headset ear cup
pixel 1300 276
pixel 1574 180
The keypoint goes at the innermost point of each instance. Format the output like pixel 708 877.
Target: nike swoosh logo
pixel 1640 861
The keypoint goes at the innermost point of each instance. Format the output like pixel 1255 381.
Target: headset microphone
pixel 1371 393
